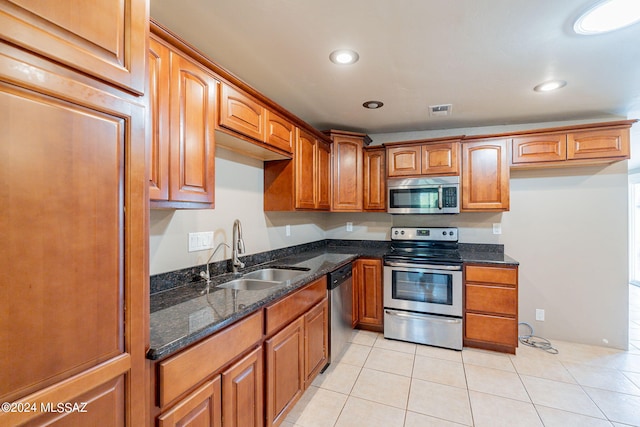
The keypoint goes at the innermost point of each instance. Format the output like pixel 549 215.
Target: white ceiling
pixel 484 57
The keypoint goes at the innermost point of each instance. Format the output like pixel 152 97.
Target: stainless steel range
pixel 423 287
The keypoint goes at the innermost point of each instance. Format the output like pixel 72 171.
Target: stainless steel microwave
pixel 436 195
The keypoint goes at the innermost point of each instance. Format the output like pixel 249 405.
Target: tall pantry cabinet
pixel 73 229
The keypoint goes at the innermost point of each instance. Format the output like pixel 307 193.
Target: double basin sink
pixel 264 279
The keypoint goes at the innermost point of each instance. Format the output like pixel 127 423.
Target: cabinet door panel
pixel 539 148
pixel 241 113
pixel 404 161
pixel 441 159
pixel 242 392
pixel 105 406
pixel 285 371
pixel 485 176
pixel 305 159
pixel 316 340
pixel 104 38
pixel 193 97
pixel 323 176
pixel 202 408
pixel 370 286
pixel 598 144
pixel 62 198
pixel 158 133
pixel 375 181
pixel 347 174
pixel 280 132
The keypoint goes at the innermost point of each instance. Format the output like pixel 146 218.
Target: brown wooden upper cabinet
pixel 180 134
pixel 242 115
pixel 590 144
pixel 375 179
pixel 347 155
pixel 312 172
pixel 485 175
pixel 427 157
pixel 108 42
pixel 281 133
pixel 302 183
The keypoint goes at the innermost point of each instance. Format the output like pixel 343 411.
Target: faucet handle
pixel 204 275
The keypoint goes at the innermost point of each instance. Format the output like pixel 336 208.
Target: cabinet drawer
pixel 186 369
pixel 286 310
pixel 485 274
pixel 491 329
pixel 491 299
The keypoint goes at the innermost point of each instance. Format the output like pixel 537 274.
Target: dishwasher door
pixel 341 306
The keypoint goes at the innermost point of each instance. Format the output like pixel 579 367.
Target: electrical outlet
pixel 497 228
pixel 287 230
pixel 540 314
pixel 349 226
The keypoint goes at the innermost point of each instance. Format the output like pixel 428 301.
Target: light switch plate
pixel 349 226
pixel 200 241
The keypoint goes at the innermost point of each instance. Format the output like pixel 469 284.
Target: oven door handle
pixel 417 316
pixel 425 266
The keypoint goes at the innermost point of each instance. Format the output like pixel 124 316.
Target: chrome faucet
pixel 205 274
pixel 238 246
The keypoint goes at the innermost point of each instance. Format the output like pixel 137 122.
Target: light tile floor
pixel 387 383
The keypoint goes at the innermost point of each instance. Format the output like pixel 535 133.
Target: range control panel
pixel 441 234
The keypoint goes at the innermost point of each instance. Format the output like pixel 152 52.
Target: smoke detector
pixel 440 110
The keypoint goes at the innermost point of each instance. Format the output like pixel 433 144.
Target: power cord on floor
pixel 536 342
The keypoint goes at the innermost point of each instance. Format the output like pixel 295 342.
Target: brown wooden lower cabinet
pixel 285 371
pixel 199 409
pixel 242 392
pixel 367 289
pixel 491 307
pixel 236 377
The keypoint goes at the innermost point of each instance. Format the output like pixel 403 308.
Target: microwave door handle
pixel 439 196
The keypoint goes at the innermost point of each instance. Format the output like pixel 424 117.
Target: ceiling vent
pixel 440 110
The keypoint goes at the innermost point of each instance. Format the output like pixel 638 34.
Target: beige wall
pixel 239 188
pixel 580 279
pixel 569 230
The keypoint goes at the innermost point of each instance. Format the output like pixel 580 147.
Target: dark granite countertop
pixel 485 254
pixel 182 312
pixel 186 314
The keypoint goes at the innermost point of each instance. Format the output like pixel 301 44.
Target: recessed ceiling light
pixel 372 105
pixel 344 57
pixel 550 85
pixel 608 15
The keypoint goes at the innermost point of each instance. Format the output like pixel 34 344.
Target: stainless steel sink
pixel 250 284
pixel 273 274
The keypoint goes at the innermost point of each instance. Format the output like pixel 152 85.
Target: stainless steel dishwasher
pixel 340 289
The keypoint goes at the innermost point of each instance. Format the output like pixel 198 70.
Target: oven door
pixel 424 290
